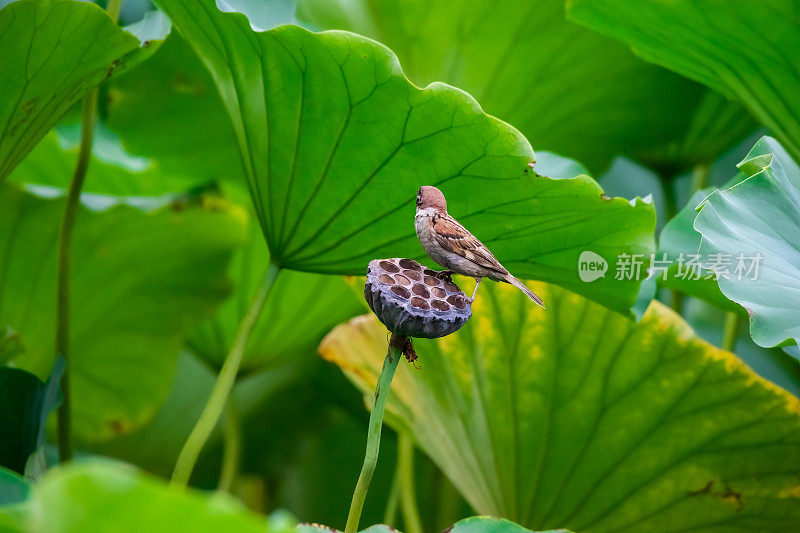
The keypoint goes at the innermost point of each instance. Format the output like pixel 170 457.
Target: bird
pixel 452 246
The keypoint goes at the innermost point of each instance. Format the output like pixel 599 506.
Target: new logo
pixel 591 266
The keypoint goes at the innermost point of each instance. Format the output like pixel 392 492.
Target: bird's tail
pixel 521 286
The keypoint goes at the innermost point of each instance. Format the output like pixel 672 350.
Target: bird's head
pixel 431 198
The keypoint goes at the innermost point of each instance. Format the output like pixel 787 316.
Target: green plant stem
pixel 700 177
pixel 390 514
pixel 225 381
pixel 670 198
pixel 670 210
pixel 232 446
pixel 731 331
pixel 63 257
pixel 676 301
pixel 373 436
pixel 408 497
pixel 112 8
pixel 65 451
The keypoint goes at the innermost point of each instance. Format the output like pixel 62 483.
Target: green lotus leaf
pixel 568 89
pixel 54 51
pixel 488 524
pixel 15 493
pixel 580 418
pixel 679 246
pixel 177 94
pixel 336 141
pixel 25 403
pixel 744 50
pixel 13 489
pixel 474 524
pixel 315 528
pixel 756 223
pixel 97 496
pixel 139 282
pixel 679 242
pixel 153 26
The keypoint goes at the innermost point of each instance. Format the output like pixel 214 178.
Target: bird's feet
pixel 445 275
pixel 475 292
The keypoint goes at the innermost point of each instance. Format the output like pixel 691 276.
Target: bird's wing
pixel 455 238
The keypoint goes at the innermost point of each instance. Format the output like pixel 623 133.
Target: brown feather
pixel 456 238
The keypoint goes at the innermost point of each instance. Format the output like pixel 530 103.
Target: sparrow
pixel 452 246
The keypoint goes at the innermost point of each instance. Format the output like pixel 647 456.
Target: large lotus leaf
pixel 52 165
pixel 302 307
pixel 317 528
pixel 744 50
pixel 336 141
pixel 140 281
pixel 578 417
pixel 25 403
pixel 177 95
pixel 13 489
pixel 488 524
pixel 679 245
pixel 54 51
pixel 153 26
pixel 568 89
pixel 474 524
pixel 97 496
pixel 679 242
pixel 759 220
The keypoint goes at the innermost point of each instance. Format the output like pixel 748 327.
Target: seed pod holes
pixel 414 301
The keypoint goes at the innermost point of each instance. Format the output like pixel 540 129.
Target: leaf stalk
pixel 731 331
pixel 374 433
pixel 63 258
pixel 232 447
pixel 224 384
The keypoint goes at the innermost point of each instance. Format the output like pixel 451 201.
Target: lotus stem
pixel 700 177
pixel 112 8
pixel 88 116
pixel 676 301
pixel 731 331
pixel 232 446
pixel 374 432
pixel 225 381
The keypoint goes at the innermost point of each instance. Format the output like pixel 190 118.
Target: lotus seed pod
pixel 414 301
